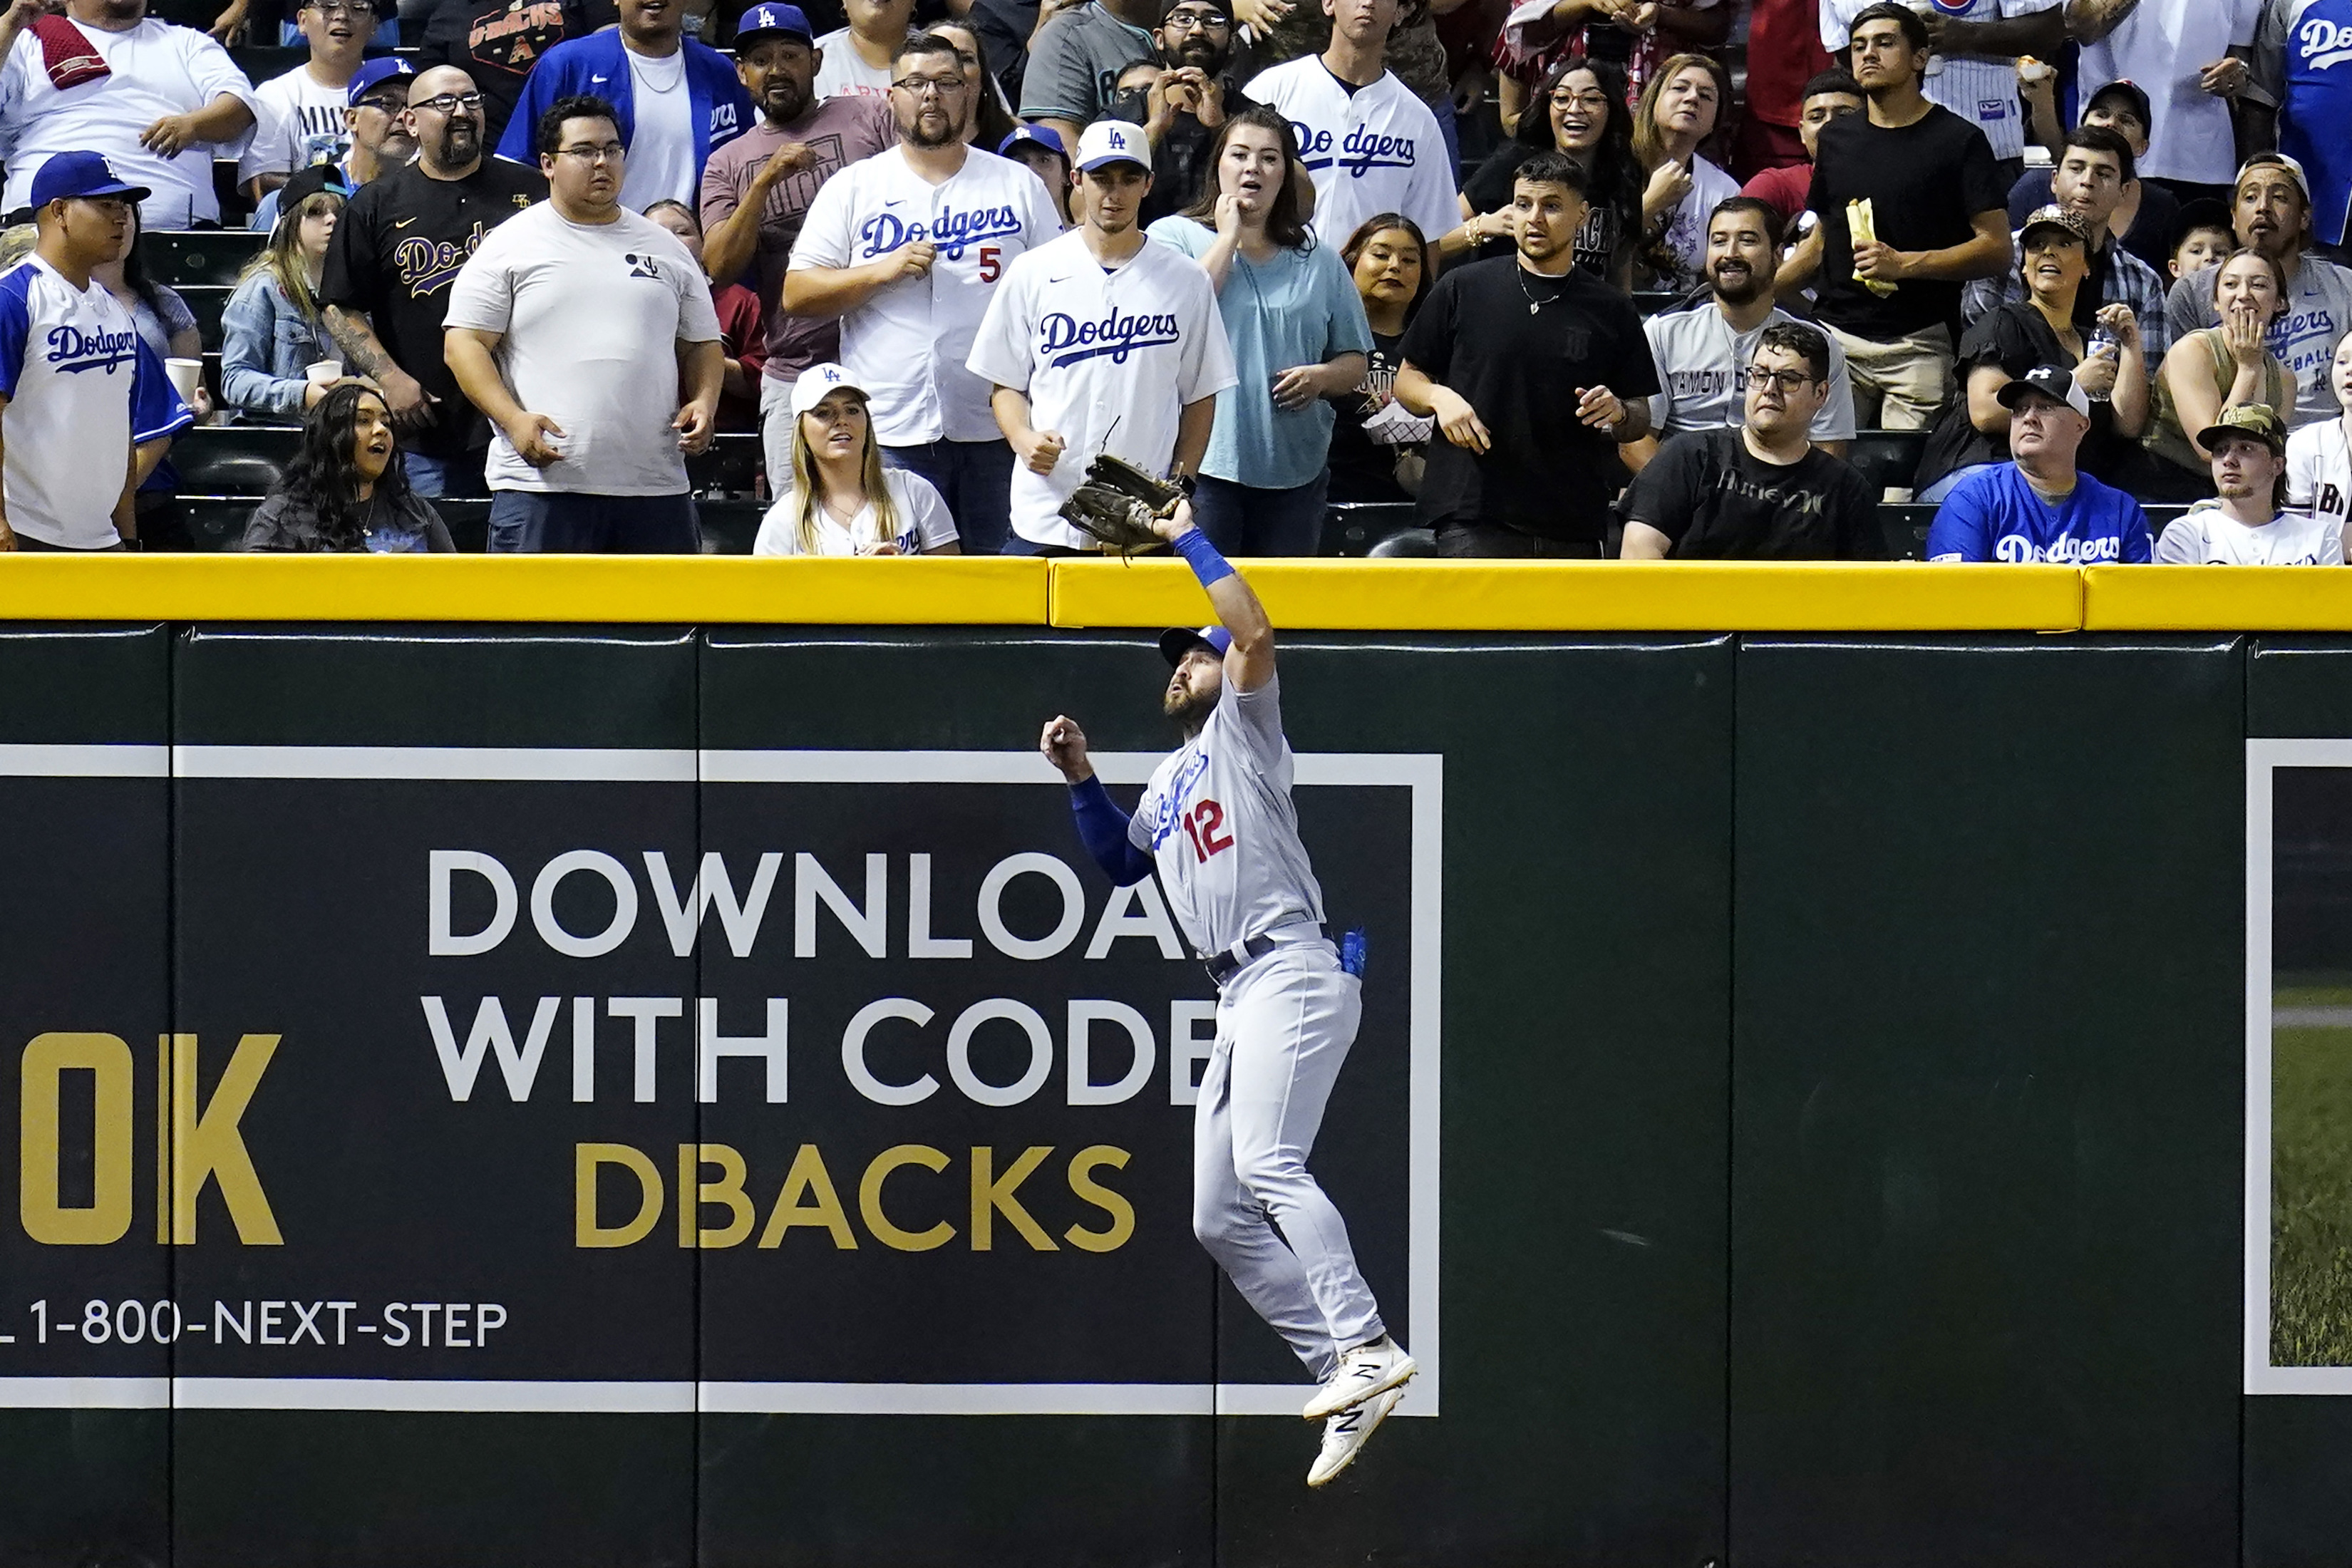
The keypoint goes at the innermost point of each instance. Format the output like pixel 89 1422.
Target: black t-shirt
pixel 1925 181
pixel 1603 244
pixel 2016 337
pixel 1517 346
pixel 394 255
pixel 1363 469
pixel 497 42
pixel 1718 501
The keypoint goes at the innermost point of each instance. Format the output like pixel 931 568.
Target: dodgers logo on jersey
pixel 1065 340
pixel 1362 150
pixel 2322 43
pixel 72 351
pixel 428 265
pixel 1955 7
pixel 951 230
pixel 1168 810
pixel 2064 552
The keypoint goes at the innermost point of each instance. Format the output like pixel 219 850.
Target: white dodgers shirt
pixel 908 344
pixel 1107 359
pixel 2207 536
pixel 1372 151
pixel 80 389
pixel 1217 820
pixel 2319 470
pixel 591 315
pixel 1981 92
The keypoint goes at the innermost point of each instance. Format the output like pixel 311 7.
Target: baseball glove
pixel 1116 503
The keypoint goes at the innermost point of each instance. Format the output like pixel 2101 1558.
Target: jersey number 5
pixel 1200 826
pixel 991 263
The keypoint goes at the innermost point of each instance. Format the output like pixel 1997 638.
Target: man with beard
pixel 1703 353
pixel 1536 372
pixel 2271 213
pixel 376 119
pixel 678 99
pixel 93 79
pixel 1182 113
pixel 1761 490
pixel 757 189
pixel 594 428
pixel 906 249
pixel 1101 342
pixel 2245 527
pixel 390 264
pixel 2090 181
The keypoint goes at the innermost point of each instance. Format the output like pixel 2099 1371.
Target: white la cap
pixel 1113 141
pixel 819 382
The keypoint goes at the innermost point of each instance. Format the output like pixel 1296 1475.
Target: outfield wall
pixel 1800 1115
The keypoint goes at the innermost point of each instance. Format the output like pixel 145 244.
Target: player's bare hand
pixel 1459 421
pixel 1040 450
pixel 1176 525
pixel 1065 745
pixel 1599 407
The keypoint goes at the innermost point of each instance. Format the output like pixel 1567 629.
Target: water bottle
pixel 2104 342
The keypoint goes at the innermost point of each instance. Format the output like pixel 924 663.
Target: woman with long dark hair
pixel 1375 446
pixel 990 120
pixel 1583 115
pixel 1298 336
pixel 346 489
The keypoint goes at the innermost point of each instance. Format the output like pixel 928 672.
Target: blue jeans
pixel 1243 520
pixel 562 522
pixel 1450 127
pixel 434 478
pixel 975 478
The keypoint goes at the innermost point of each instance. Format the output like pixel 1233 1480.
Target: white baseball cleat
pixel 1363 1372
pixel 1346 1432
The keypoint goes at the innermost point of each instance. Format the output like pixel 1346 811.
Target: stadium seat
pixel 206 302
pixel 233 459
pixel 181 257
pixel 731 466
pixel 1406 543
pixel 1905 527
pixel 1355 528
pixel 1887 459
pixel 729 527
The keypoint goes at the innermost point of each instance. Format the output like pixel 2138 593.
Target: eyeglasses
pixel 333 8
pixel 448 102
pixel 386 103
pixel 604 152
pixel 1197 21
pixel 1580 99
pixel 924 86
pixel 1785 380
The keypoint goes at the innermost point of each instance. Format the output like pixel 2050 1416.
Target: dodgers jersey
pixel 1108 358
pixel 2319 470
pixel 1980 91
pixel 1218 822
pixel 2304 46
pixel 1372 151
pixel 907 343
pixel 81 388
pixel 2207 537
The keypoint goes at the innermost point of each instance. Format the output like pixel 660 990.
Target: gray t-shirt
pixel 2319 308
pixel 1076 63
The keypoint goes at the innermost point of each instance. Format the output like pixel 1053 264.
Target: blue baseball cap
pixel 1178 641
pixel 80 174
pixel 372 74
pixel 783 21
pixel 1042 135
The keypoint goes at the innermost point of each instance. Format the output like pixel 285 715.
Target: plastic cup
pixel 187 375
pixel 323 372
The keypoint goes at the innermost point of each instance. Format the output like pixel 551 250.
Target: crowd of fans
pixel 940 254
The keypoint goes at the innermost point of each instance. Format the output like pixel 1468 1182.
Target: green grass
pixel 2311 1189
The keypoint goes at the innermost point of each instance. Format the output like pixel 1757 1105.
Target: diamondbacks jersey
pixel 1703 364
pixel 1106 359
pixel 1217 820
pixel 1979 90
pixel 81 388
pixel 2319 470
pixel 907 343
pixel 1375 150
pixel 2208 537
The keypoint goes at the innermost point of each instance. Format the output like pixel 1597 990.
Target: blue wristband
pixel 1207 565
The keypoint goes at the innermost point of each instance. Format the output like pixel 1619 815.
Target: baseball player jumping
pixel 1217 821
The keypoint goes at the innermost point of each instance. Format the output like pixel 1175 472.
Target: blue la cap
pixel 1042 135
pixel 80 174
pixel 1178 641
pixel 374 73
pixel 785 21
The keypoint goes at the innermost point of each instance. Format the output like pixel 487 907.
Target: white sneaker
pixel 1346 1433
pixel 1363 1372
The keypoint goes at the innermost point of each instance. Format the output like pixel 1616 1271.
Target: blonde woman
pixel 271 329
pixel 841 500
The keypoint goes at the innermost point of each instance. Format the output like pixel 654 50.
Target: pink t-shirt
pixel 841 130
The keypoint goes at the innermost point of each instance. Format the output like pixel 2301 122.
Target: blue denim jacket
pixel 265 346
